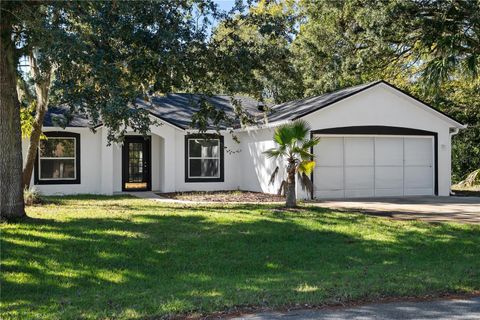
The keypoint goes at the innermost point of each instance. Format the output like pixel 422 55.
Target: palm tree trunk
pixel 291 201
pixel 11 192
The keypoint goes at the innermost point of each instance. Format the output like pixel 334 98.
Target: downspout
pixel 453 132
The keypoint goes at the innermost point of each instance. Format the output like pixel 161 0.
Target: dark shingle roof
pixel 61 117
pixel 298 108
pixel 176 109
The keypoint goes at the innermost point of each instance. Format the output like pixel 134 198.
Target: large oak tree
pixel 96 58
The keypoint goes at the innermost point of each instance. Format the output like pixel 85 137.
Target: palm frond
pixel 300 129
pixel 311 142
pixel 275 153
pixel 283 135
pixel 281 190
pixel 289 133
pixel 305 182
pixel 273 176
pixel 306 166
pixel 304 153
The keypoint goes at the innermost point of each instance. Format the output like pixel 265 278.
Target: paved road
pixel 439 310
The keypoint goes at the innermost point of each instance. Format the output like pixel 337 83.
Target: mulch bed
pixel 466 193
pixel 223 196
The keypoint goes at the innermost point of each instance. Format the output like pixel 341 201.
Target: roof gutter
pixel 155 116
pixel 260 127
pixel 456 130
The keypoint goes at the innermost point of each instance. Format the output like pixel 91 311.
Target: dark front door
pixel 136 167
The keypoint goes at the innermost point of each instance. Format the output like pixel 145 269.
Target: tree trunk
pixel 32 148
pixel 11 192
pixel 291 201
pixel 42 88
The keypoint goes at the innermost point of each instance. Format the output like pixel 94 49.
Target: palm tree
pixel 293 147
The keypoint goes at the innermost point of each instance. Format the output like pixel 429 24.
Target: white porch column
pixel 106 165
pixel 169 162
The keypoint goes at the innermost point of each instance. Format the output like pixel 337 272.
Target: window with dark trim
pixel 204 158
pixel 58 159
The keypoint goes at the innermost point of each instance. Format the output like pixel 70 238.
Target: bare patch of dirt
pixel 223 196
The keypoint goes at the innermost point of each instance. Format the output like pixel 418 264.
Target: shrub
pixel 31 196
pixel 471 180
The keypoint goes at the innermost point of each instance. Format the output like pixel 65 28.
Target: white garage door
pixel 373 166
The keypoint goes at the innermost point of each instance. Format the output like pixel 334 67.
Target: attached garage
pixel 375 141
pixel 368 165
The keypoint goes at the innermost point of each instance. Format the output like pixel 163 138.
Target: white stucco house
pixel 375 141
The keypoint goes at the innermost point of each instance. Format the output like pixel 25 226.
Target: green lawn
pixel 121 258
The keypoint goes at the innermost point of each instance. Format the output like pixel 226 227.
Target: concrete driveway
pixel 432 209
pixel 438 310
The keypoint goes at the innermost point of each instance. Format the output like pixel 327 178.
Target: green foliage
pixel 294 147
pixel 472 180
pixel 96 257
pixel 461 99
pixel 253 53
pixel 27 115
pixel 104 55
pixel 345 42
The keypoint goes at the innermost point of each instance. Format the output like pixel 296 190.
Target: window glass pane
pixel 195 148
pixel 135 162
pixel 204 148
pixel 210 148
pixel 57 147
pixel 210 168
pixel 204 168
pixel 57 169
pixel 195 168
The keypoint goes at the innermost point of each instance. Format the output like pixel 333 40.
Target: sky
pixel 225 4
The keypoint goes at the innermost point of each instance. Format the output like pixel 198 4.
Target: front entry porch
pixel 139 163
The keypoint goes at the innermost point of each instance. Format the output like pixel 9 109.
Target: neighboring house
pixel 375 141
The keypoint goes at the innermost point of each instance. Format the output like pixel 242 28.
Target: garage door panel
pixel 419 192
pixel 389 177
pixel 328 178
pixel 332 194
pixel 389 151
pixel 359 178
pixel 359 152
pixel 398 192
pixel 359 193
pixel 329 152
pixel 374 166
pixel 418 177
pixel 418 152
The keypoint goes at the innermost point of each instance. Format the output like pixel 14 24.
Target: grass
pixel 91 257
